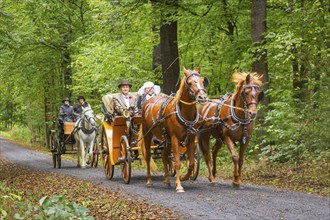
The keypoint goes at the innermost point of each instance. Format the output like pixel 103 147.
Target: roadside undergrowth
pixel 31 186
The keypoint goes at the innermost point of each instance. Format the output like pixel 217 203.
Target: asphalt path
pixel 200 201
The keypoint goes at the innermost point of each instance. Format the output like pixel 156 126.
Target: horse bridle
pixel 195 75
pixel 83 128
pixel 254 91
pixel 88 118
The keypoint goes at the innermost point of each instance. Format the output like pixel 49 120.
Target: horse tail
pixel 142 151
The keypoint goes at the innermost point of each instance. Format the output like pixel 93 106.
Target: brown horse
pixel 173 120
pixel 230 120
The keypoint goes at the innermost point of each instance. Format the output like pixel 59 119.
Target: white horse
pixel 85 134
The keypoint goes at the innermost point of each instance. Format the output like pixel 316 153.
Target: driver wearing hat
pixel 78 106
pixel 66 110
pixel 125 100
pixel 66 113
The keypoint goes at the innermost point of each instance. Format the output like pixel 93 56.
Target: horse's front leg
pixel 234 157
pixel 242 150
pixel 147 153
pixel 217 145
pixel 78 151
pixel 204 144
pixel 191 148
pixel 82 154
pixel 89 152
pixel 177 163
pixel 165 157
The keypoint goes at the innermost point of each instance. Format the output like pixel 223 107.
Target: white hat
pixel 149 84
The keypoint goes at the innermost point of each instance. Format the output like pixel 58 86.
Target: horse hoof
pixel 83 167
pixel 167 184
pixel 184 178
pixel 212 183
pixel 180 190
pixel 149 185
pixel 78 165
pixel 238 186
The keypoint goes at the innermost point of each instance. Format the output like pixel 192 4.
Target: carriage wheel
pixel 53 148
pixel 54 159
pixel 105 156
pixel 126 160
pixel 95 157
pixel 59 153
pixel 194 175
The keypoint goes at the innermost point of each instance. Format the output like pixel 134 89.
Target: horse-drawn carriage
pixel 66 142
pixel 120 142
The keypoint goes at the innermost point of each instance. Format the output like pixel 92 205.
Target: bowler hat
pixel 80 97
pixel 124 82
pixel 66 99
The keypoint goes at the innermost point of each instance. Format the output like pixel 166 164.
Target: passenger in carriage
pixel 66 113
pixel 77 109
pixel 147 91
pixel 125 100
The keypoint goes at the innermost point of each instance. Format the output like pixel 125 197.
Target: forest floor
pixel 102 202
pixel 311 178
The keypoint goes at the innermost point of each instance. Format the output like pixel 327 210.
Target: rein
pixel 237 121
pixel 188 124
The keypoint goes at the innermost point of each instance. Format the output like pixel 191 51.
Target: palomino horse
pixel 173 120
pixel 85 134
pixel 230 120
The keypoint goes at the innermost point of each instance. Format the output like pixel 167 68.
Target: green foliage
pixel 22 134
pixel 53 208
pixel 8 198
pixel 52 49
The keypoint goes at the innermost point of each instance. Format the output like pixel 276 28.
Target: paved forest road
pixel 200 201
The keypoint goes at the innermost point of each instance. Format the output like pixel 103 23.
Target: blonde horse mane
pixel 180 90
pixel 239 79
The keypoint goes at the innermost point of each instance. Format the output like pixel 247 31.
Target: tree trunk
pixel 169 47
pixel 259 8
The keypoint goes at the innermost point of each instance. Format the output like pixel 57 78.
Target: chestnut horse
pixel 230 120
pixel 173 120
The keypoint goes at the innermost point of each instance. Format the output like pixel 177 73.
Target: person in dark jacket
pixel 77 109
pixel 66 113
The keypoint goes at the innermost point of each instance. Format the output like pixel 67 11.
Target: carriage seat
pixel 108 109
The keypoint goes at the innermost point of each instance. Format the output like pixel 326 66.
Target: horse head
pixel 251 94
pixel 195 85
pixel 89 116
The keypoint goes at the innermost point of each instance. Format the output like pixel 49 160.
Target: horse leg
pixel 231 148
pixel 89 152
pixel 78 152
pixel 216 147
pixel 242 150
pixel 191 158
pixel 147 144
pixel 204 144
pixel 82 148
pixel 165 159
pixel 177 163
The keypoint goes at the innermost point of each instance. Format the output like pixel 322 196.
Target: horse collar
pixel 235 118
pixel 183 120
pixel 84 129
